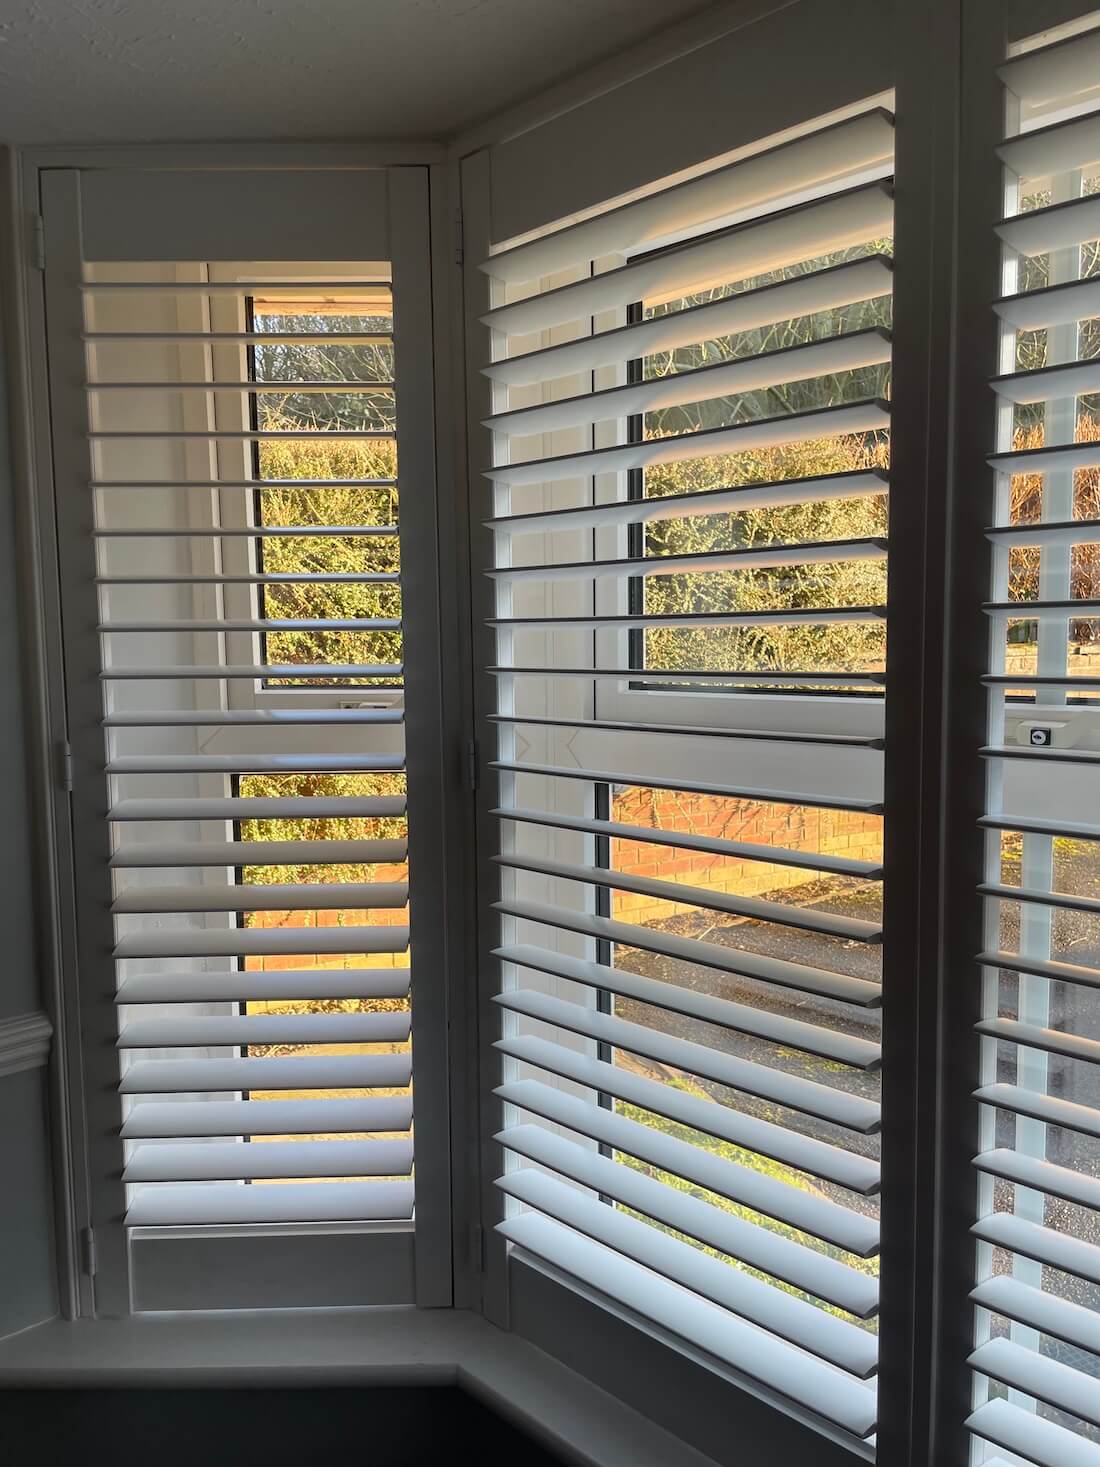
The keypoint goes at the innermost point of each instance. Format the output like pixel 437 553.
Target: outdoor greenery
pixel 740 1157
pixel 1032 353
pixel 357 786
pixel 343 504
pixel 852 646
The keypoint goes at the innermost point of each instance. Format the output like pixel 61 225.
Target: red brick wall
pixel 377 917
pixel 799 828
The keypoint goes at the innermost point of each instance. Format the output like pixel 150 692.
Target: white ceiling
pixel 84 71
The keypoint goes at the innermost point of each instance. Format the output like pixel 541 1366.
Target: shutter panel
pixel 1037 1349
pixel 690 418
pixel 234 570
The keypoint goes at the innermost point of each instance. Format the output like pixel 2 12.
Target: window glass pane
pixel 364 494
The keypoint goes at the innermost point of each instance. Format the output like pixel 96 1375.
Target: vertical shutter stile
pixel 690 417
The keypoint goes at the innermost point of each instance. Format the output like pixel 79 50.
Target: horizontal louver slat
pixel 831 1395
pixel 741 1018
pixel 687 731
pixel 767 557
pixel 778 971
pixel 793 1091
pixel 1047 1313
pixel 853 928
pixel 326 1072
pixel 698 787
pixel 292 807
pixel 711 845
pixel 240 943
pixel 828 154
pixel 802 233
pixel 305 1202
pixel 1059 148
pixel 271 983
pixel 1042 1176
pixel 209 1161
pixel 1048 1108
pixel 256 764
pixel 1031 1240
pixel 824 1335
pixel 1028 1435
pixel 771 1252
pixel 803 1210
pixel 1052 1041
pixel 260 670
pixel 1057 227
pixel 819 290
pixel 804 1153
pixel 168 1120
pixel 250 717
pixel 857 417
pixel 1043 967
pixel 303 897
pixel 1054 306
pixel 260 853
pixel 852 484
pixel 246 1029
pixel 769 369
pixel 1056 71
pixel 259 624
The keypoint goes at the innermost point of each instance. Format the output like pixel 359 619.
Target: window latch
pixel 65 767
pixel 472 771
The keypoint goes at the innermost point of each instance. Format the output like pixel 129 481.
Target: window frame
pixel 769 710
pixel 238 461
pixel 678 707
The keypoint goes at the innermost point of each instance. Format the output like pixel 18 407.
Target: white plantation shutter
pixel 1037 1354
pixel 691 1100
pixel 262 1022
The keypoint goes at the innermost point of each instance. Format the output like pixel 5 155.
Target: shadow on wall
pixel 400 1427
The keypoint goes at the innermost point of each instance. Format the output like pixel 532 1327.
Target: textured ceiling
pixel 200 70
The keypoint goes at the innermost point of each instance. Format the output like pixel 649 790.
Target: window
pixel 689 944
pixel 825 616
pixel 1037 1354
pixel 333 369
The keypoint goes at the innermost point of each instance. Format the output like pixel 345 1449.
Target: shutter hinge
pixel 472 769
pixel 38 242
pixel 65 766
pixel 460 252
pixel 87 1251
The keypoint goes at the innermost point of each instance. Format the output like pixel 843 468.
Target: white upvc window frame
pixel 790 713
pixel 235 463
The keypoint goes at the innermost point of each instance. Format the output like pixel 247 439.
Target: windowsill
pixel 368 1347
